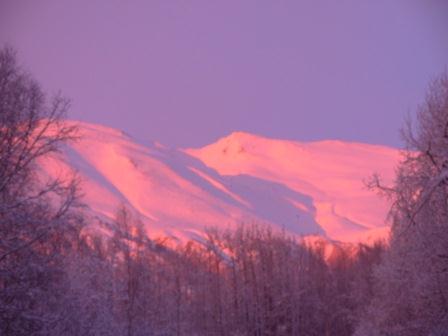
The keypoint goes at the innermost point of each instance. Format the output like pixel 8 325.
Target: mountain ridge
pixel 305 188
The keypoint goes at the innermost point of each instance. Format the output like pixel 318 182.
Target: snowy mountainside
pixel 304 188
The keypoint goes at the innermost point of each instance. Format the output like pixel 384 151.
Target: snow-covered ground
pixel 314 188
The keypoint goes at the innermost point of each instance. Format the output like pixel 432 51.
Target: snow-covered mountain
pixel 314 188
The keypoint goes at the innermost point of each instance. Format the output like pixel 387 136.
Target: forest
pixel 57 277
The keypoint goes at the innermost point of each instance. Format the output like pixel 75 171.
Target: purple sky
pixel 187 72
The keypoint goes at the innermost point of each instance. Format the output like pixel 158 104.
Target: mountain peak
pixel 241 137
pixel 236 143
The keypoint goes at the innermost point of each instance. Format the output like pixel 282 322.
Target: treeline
pixel 60 276
pixel 250 281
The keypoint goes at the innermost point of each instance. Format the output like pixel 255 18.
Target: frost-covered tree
pixel 412 281
pixel 35 220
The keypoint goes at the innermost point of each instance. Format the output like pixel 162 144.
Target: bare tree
pixel 412 294
pixel 34 212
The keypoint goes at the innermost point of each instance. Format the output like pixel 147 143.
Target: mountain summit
pixel 313 188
